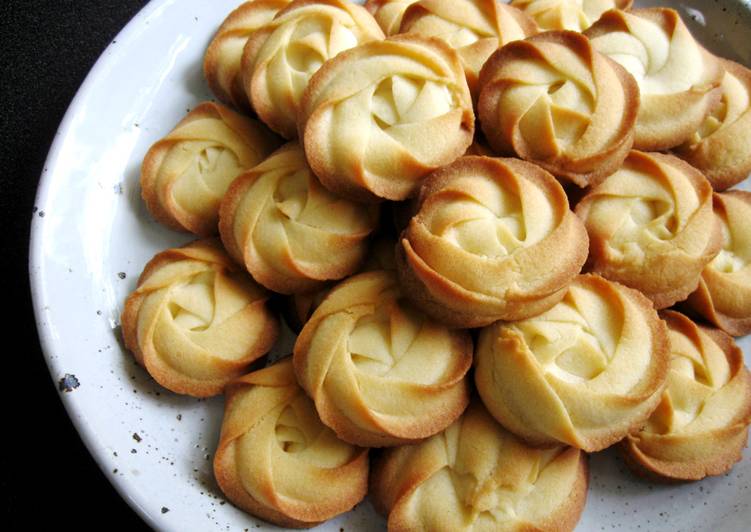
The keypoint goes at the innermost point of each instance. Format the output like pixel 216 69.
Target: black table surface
pixel 47 49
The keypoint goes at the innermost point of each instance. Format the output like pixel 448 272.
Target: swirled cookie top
pixel 386 113
pixel 575 15
pixel 734 258
pixel 735 104
pixel 200 297
pixel 379 372
pixel 222 63
pixel 701 425
pixel 650 206
pixel 720 147
pixel 595 337
pixel 288 214
pixel 490 216
pixel 474 28
pixel 413 86
pixel 298 199
pixel 280 59
pixel 509 484
pixel 696 399
pixel 277 460
pixel 185 175
pixel 485 213
pixel 195 321
pixel 388 339
pixel 655 46
pixel 291 422
pixel 388 13
pixel 596 364
pixel 553 96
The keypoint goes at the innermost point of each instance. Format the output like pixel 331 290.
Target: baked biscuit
pixel 388 13
pixel 281 57
pixel 475 476
pixel 553 100
pixel 721 148
pixel 380 372
pixel 701 425
pixel 185 174
pixel 377 119
pixel 277 461
pixel 651 227
pixel 678 79
pixel 574 15
pixel 474 28
pixel 724 293
pixel 196 321
pixel 289 231
pixel 585 373
pixel 221 65
pixel 493 239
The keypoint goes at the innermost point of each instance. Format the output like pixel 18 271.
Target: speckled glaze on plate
pixel 91 236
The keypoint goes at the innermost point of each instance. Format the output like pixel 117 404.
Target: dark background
pixel 48 479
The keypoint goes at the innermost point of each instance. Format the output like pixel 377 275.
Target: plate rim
pixel 36 266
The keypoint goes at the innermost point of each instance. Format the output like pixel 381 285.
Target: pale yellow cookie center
pixel 488 491
pixel 208 171
pixel 300 199
pixel 300 43
pixel 316 39
pixel 578 339
pixel 300 433
pixel 655 217
pixel 192 304
pixel 452 32
pixel 551 99
pixel 575 15
pixel 735 102
pixel 734 256
pixel 698 370
pixel 289 434
pixel 563 105
pixel 379 340
pixel 291 194
pixel 287 443
pixel 401 100
pixel 389 15
pixel 398 343
pixel 727 262
pixel 642 212
pixel 489 219
pixel 482 229
pixel 661 63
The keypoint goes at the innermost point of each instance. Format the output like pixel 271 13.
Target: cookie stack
pixel 426 187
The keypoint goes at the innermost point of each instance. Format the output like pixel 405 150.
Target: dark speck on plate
pixel 121 275
pixel 68 383
pixel 136 437
pixel 165 509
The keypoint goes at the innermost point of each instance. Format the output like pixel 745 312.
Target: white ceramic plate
pixel 92 235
